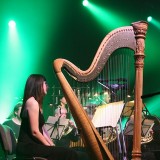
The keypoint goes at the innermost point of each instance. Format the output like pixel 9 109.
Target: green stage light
pixel 12 24
pixel 153 21
pixel 23 48
pixel 105 16
pixel 149 19
pixel 85 2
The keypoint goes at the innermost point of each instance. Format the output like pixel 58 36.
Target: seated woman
pixel 33 139
pixel 14 120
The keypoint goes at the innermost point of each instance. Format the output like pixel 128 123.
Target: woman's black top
pixel 28 146
pixel 25 134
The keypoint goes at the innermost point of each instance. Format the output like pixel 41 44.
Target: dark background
pixel 66 29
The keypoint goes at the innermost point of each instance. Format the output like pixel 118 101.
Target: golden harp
pixel 131 37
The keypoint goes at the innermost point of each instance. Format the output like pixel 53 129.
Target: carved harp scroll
pixel 125 37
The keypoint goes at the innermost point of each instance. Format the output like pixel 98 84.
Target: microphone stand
pixel 106 87
pixel 122 153
pixel 57 124
pixel 57 127
pixel 111 91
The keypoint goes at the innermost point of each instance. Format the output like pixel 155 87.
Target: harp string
pixel 115 85
pixel 130 37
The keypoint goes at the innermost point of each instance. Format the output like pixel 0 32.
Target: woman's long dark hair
pixel 34 88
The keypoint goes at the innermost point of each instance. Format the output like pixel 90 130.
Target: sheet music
pixel 108 114
pixel 147 125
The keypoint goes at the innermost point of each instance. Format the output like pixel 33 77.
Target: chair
pixel 8 142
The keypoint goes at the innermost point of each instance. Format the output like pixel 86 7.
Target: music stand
pixel 147 125
pixel 129 127
pixel 56 126
pixel 128 112
pixel 108 114
pixel 128 109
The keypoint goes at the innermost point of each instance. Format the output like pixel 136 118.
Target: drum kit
pixel 97 100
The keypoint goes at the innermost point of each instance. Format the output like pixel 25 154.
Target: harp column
pixel 140 30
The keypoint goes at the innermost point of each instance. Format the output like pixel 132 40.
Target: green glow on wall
pixel 23 48
pixel 152 104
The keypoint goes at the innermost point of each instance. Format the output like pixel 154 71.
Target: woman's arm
pixel 47 137
pixel 33 111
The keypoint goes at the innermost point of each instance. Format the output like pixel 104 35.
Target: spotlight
pixel 149 18
pixel 85 2
pixel 12 24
